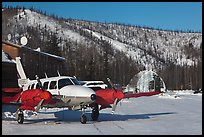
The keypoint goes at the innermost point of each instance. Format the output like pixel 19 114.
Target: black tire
pixel 95 112
pixel 83 119
pixel 20 118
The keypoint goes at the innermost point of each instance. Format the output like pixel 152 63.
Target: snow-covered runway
pixel 179 113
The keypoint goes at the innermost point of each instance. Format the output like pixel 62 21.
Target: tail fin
pixel 23 79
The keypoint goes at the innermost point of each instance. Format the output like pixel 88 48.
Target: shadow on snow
pixel 74 116
pixel 68 115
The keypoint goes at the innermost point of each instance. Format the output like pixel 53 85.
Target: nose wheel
pixel 83 119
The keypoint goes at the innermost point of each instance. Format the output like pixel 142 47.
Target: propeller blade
pixel 114 105
pixel 39 105
pixel 112 84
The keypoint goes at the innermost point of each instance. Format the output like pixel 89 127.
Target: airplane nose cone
pixel 93 97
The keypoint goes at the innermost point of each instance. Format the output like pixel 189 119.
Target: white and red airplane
pixel 67 93
pixel 60 91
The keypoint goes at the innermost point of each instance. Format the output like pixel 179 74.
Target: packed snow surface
pixel 171 113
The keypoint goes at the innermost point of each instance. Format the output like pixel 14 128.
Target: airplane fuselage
pixel 66 91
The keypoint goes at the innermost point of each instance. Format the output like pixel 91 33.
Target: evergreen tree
pixel 52 46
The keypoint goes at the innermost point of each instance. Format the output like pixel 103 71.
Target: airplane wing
pixel 11 90
pixel 135 95
pixel 11 100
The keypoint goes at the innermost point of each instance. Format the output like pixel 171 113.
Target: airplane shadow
pixel 67 116
pixel 118 117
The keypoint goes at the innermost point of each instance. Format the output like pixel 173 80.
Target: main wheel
pixel 83 119
pixel 95 113
pixel 20 118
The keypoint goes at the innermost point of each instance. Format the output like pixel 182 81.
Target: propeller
pixel 116 99
pixel 109 81
pixel 39 105
pixel 114 105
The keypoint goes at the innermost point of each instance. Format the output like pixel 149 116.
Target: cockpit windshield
pixel 76 82
pixel 67 81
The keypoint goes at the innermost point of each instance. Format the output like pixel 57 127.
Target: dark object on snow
pixel 198 91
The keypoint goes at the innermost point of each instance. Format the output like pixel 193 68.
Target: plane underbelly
pixel 76 101
pixel 70 102
pixel 73 96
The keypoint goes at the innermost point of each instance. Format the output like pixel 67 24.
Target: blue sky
pixel 165 15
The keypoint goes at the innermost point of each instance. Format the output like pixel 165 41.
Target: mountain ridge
pixel 145 48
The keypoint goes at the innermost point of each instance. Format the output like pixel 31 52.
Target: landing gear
pixel 95 113
pixel 20 116
pixel 83 118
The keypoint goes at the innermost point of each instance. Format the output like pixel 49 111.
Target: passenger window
pixel 37 86
pixel 53 84
pixel 32 87
pixel 45 85
pixel 29 86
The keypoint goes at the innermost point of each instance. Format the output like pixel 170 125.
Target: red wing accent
pixel 141 94
pixel 12 90
pixel 29 99
pixel 11 99
pixel 34 96
pixel 27 108
pixel 105 96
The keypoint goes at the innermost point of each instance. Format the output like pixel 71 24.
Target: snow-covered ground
pixel 174 113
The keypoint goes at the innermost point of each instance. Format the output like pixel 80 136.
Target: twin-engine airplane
pixel 61 91
pixel 109 98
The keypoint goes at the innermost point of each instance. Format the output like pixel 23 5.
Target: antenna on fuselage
pixel 46 75
pixel 39 82
pixel 58 73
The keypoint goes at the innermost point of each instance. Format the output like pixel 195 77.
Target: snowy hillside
pixel 147 45
pixel 142 44
pixel 105 45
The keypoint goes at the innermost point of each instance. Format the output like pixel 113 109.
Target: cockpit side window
pixel 64 82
